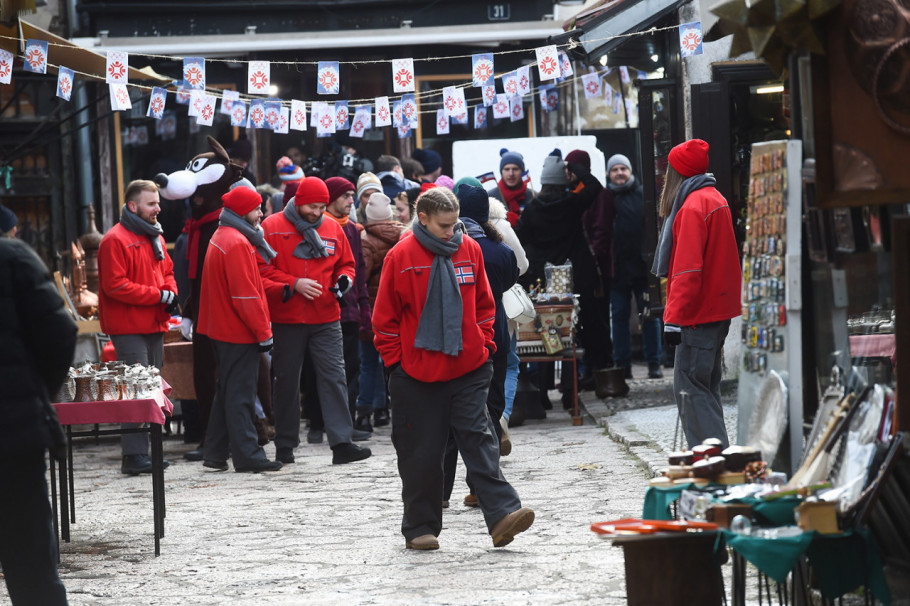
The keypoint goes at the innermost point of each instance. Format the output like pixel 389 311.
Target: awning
pixel 61 51
pixel 600 24
pixel 486 34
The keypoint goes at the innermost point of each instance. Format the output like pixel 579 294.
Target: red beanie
pixel 311 190
pixel 338 186
pixel 427 186
pixel 579 156
pixel 242 200
pixel 690 158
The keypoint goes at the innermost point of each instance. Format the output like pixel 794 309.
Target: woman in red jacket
pixel 233 313
pixel 697 253
pixel 433 322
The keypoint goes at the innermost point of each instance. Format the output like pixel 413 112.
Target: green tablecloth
pixel 659 498
pixel 777 512
pixel 842 563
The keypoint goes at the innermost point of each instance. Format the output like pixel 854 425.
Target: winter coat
pixel 378 238
pixel 598 229
pixel 130 281
pixel 629 255
pixel 232 307
pixel 402 294
pixel 502 272
pixel 287 306
pixel 509 237
pixel 705 279
pixel 39 338
pixel 356 306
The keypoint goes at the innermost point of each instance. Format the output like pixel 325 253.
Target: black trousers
pixel 350 346
pixel 28 545
pixel 422 416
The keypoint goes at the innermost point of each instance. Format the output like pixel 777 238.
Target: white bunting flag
pixel 328 78
pixel 65 79
pixel 361 121
pixel 259 78
pixel 365 114
pixel 196 101
pixel 383 113
pixel 489 95
pixel 510 83
pixel 442 122
pixel 624 74
pixel 516 109
pixel 166 128
pixel 608 96
pixel 548 62
pixel 227 99
pixel 207 111
pixel 257 113
pixel 482 69
pixel 565 66
pixel 298 114
pixel 453 100
pixel 6 66
pixel 238 113
pixel 35 56
pixel 523 76
pixel 342 117
pixel 183 95
pixel 157 103
pixel 117 67
pixel 324 117
pixel 403 75
pixel 409 109
pixel 591 82
pixel 480 117
pixel 272 113
pixel 501 106
pixel 120 97
pixel 194 72
pixel 690 39
pixel 616 103
pixel 284 121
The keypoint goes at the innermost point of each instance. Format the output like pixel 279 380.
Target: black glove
pixel 579 170
pixel 673 334
pixel 265 346
pixel 167 297
pixel 343 285
pixel 173 309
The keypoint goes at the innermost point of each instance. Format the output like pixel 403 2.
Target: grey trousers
pixel 696 382
pixel 138 349
pixel 422 416
pixel 230 430
pixel 323 343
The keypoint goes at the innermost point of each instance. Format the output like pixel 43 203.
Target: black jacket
pixel 37 341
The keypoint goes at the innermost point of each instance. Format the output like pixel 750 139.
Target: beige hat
pixel 379 208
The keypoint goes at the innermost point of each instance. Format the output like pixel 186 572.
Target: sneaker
pixel 381 417
pixel 314 436
pixel 362 423
pixel 284 455
pixel 133 465
pixel 258 466
pixel 654 371
pixel 360 436
pixel 349 453
pixel 471 500
pixel 424 542
pixel 216 465
pixel 505 529
pixel 505 443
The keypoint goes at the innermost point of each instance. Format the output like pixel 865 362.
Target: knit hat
pixel 474 203
pixel 338 186
pixel 242 200
pixel 289 190
pixel 554 169
pixel 8 220
pixel 430 159
pixel 392 186
pixel 425 186
pixel 312 190
pixel 379 208
pixel 474 181
pixel 690 158
pixel 287 170
pixel 511 157
pixel 242 149
pixel 579 156
pixel 446 181
pixel 242 182
pixel 618 159
pixel 367 182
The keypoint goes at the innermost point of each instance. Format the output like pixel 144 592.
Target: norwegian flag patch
pixel 464 274
pixel 330 247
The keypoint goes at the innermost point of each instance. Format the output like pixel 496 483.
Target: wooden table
pixel 150 411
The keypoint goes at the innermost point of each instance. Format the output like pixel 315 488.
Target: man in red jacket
pixel 313 270
pixel 137 292
pixel 697 254
pixel 433 325
pixel 233 313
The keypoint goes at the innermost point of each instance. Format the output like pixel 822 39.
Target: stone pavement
pixel 321 534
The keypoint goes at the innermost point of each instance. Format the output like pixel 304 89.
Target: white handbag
pixel 518 305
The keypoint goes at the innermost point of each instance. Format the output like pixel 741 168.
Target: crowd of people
pixel 380 301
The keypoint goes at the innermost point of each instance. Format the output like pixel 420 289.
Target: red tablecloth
pixel 148 410
pixel 873 346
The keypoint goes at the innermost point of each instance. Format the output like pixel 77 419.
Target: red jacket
pixel 286 269
pixel 399 303
pixel 232 305
pixel 705 277
pixel 130 281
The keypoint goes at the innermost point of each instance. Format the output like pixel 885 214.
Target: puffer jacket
pixel 39 338
pixel 377 238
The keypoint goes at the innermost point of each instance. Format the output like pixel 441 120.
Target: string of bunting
pixel 401 111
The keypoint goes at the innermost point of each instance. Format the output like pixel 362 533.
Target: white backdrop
pixel 475 157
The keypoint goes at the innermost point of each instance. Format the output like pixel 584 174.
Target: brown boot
pixel 505 529
pixel 610 383
pixel 424 542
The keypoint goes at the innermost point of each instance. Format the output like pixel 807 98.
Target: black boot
pixel 610 383
pixel 363 423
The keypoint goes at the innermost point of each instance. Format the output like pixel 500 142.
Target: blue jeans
pixel 372 381
pixel 620 299
pixel 511 375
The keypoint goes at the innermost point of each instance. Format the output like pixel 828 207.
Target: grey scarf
pixel 624 187
pixel 255 235
pixel 439 328
pixel 312 246
pixel 661 265
pixel 141 227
